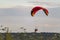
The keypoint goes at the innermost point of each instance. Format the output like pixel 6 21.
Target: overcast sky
pixel 12 3
pixel 16 13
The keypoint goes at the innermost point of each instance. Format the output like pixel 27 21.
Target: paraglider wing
pixel 46 11
pixel 37 8
pixel 34 10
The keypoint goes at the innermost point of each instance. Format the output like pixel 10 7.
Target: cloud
pixel 12 3
pixel 45 4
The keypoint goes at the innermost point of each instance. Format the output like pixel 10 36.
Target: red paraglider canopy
pixel 35 9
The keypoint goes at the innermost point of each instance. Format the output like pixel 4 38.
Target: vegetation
pixel 1 37
pixel 30 36
pixel 8 36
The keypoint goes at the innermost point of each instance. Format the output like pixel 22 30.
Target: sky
pixel 16 14
pixel 12 3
